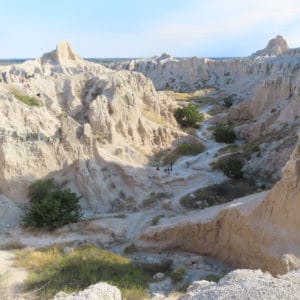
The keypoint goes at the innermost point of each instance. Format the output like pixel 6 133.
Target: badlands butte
pixel 104 131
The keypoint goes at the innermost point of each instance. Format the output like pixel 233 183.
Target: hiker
pixel 171 166
pixel 157 168
pixel 4 77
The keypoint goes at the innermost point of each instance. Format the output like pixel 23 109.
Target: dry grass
pixel 189 96
pixel 51 270
pixel 11 245
pixel 218 194
pixel 183 150
pixel 153 117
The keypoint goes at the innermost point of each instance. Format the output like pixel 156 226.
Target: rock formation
pixel 99 291
pixel 257 231
pixel 93 131
pixel 265 92
pixel 275 47
pixel 247 284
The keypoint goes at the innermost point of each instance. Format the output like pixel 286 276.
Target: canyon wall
pixel 257 231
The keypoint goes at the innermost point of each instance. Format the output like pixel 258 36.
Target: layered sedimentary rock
pixel 93 130
pixel 257 231
pixel 265 91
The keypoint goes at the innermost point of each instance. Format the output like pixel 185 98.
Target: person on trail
pixel 171 166
pixel 157 168
pixel 4 77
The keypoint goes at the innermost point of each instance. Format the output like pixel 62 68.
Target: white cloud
pixel 207 22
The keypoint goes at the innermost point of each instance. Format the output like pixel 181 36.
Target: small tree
pixel 51 206
pixel 224 134
pixel 228 102
pixel 188 116
pixel 233 168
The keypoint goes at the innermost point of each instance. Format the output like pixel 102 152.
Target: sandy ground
pixel 10 287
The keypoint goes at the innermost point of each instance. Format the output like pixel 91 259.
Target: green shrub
pixel 232 168
pixel 156 219
pixel 228 101
pixel 188 116
pixel 224 134
pixel 130 249
pixel 31 101
pixel 273 110
pixel 177 275
pixel 50 206
pixel 212 277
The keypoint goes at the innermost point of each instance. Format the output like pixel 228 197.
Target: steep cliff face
pixel 258 231
pixel 92 131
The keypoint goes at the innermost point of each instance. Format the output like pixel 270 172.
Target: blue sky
pixel 132 28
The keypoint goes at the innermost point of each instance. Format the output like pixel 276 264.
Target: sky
pixel 142 28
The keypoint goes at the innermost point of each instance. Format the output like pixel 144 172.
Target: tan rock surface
pixel 94 132
pixel 258 231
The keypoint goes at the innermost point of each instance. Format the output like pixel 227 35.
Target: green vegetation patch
pixel 229 149
pixel 188 116
pixel 156 219
pixel 183 150
pixel 232 168
pixel 177 275
pixel 224 134
pixel 130 249
pixel 218 194
pixel 51 270
pixel 50 206
pixel 12 245
pixel 212 277
pixel 31 101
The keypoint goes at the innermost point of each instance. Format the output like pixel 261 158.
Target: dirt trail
pixel 11 277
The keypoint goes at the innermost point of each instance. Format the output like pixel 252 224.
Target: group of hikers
pixel 167 169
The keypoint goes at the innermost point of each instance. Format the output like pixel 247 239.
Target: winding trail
pixel 12 277
pixel 194 172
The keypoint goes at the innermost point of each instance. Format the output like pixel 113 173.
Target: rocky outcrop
pixel 247 284
pixel 93 132
pixel 238 76
pixel 258 231
pixel 61 55
pixel 265 91
pixel 275 46
pixel 99 291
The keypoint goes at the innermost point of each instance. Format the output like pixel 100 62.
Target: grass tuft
pixel 12 245
pixel 156 219
pixel 182 150
pixel 31 101
pixel 51 270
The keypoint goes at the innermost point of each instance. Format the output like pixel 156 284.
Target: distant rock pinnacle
pixel 275 47
pixel 62 54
